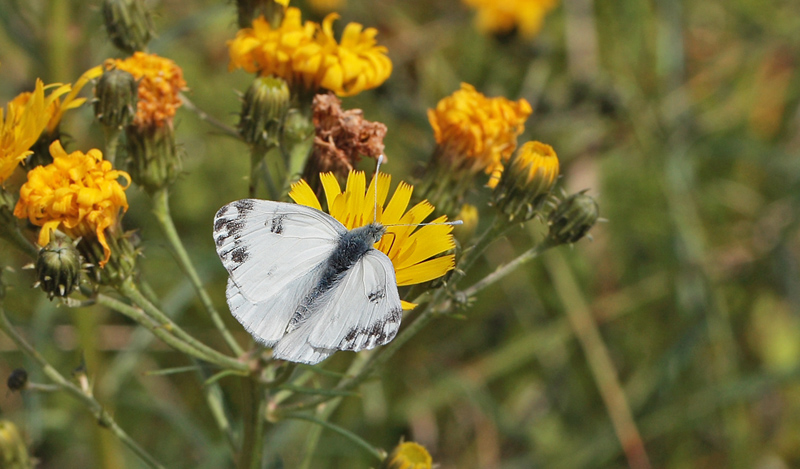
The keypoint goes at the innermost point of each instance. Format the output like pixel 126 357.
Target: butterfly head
pixel 375 231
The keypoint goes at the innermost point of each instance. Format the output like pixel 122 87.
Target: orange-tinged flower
pixel 412 249
pixel 28 114
pixel 308 55
pixel 502 17
pixel 78 193
pixel 477 133
pixel 160 82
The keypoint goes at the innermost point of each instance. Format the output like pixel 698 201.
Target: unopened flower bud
pixel 17 380
pixel 115 98
pixel 58 267
pixel 263 109
pixel 153 156
pixel 526 183
pixel 272 10
pixel 128 24
pixel 408 455
pixel 573 218
pixel 13 451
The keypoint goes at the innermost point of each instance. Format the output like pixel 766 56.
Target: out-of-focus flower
pixel 411 248
pixel 408 455
pixel 27 116
pixel 160 82
pixel 526 16
pixel 78 193
pixel 128 24
pixel 341 138
pixel 325 6
pixel 13 452
pixel 308 57
pixel 525 185
pixel 477 133
pixel 473 134
pixel 71 100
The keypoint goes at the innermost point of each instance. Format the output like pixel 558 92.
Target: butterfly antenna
pixel 377 173
pixel 454 222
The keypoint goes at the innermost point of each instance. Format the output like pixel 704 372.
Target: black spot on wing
pixel 244 206
pixel 239 255
pixel 377 295
pixel 221 212
pixel 276 224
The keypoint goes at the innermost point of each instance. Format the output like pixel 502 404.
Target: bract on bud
pixel 115 98
pixel 58 267
pixel 153 160
pixel 573 218
pixel 128 24
pixel 263 109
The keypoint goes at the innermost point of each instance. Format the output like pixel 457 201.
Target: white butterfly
pixel 300 282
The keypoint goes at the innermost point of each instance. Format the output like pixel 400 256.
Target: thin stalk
pixel 254 407
pixel 506 269
pixel 164 217
pixel 323 423
pixel 19 241
pixel 129 290
pixel 163 333
pixel 104 419
pixel 112 142
pixel 225 128
pixel 599 360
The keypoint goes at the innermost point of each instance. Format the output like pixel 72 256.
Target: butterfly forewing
pixel 273 253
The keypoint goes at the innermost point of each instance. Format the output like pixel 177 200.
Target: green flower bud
pixel 58 267
pixel 153 160
pixel 128 24
pixel 573 218
pixel 121 264
pixel 248 10
pixel 526 183
pixel 264 106
pixel 116 94
pixel 13 451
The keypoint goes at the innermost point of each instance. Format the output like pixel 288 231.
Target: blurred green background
pixel 683 120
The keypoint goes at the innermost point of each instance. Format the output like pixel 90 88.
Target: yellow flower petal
pixel 302 194
pixel 426 271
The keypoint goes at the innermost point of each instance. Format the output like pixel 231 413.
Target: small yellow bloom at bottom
pixel 408 455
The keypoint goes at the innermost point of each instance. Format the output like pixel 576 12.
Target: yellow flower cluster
pixel 502 17
pixel 80 193
pixel 28 115
pixel 307 54
pixel 478 133
pixel 411 250
pixel 160 82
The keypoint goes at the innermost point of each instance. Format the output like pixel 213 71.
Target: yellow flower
pixel 160 82
pixel 477 133
pixel 408 455
pixel 502 17
pixel 411 250
pixel 28 114
pixel 79 193
pixel 307 54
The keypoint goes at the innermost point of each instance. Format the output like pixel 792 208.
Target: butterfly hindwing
pixel 362 311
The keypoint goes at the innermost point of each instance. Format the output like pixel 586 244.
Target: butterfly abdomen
pixel 350 249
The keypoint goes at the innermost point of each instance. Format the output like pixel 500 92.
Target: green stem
pixel 129 290
pixel 506 269
pixel 254 407
pixel 103 418
pixel 13 235
pixel 112 142
pixel 164 217
pixel 163 332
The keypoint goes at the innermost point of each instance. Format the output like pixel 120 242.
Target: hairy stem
pixel 164 217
